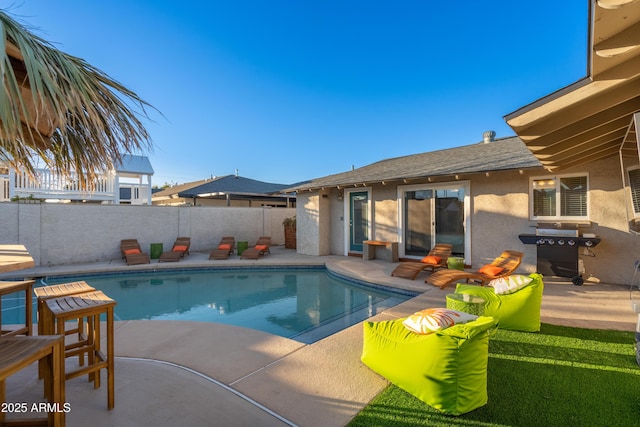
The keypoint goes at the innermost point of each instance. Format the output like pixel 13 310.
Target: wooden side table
pixel 25 286
pixel 16 353
pixel 373 249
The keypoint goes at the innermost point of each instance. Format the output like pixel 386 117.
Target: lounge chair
pixel 265 241
pixel 436 258
pixel 224 249
pixel 132 253
pixel 261 248
pixel 179 249
pixel 502 266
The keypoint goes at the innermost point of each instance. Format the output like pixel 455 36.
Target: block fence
pixel 57 234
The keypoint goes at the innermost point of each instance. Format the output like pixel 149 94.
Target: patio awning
pixel 593 118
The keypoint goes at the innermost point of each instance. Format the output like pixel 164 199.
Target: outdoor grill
pixel 558 251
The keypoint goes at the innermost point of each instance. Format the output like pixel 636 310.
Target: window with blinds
pixel 559 197
pixel 634 185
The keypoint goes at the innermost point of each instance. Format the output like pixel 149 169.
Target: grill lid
pixel 556 232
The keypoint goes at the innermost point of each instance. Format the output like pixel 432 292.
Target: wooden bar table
pixel 12 258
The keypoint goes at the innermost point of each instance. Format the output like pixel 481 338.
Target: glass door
pixel 433 214
pixel 358 219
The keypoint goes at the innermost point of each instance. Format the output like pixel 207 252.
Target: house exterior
pixel 128 183
pixel 573 166
pixel 481 198
pixel 228 190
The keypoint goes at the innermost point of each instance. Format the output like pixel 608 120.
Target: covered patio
pixel 596 117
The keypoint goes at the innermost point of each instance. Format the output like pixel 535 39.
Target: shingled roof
pixel 176 189
pixel 501 154
pixel 233 184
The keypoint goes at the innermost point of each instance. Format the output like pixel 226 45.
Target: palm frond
pixel 60 108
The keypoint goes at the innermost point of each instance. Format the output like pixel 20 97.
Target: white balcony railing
pixel 48 185
pixel 128 185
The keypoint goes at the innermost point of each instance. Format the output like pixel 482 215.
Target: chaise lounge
pixel 224 249
pixel 502 266
pixel 261 248
pixel 179 249
pixel 132 253
pixel 435 259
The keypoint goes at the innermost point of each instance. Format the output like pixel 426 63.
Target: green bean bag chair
pixel 518 311
pixel 445 369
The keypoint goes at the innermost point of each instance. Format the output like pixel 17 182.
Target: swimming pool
pixel 304 304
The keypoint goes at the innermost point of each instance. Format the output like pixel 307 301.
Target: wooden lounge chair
pixel 436 258
pixel 179 249
pixel 261 248
pixel 265 241
pixel 132 253
pixel 224 249
pixel 502 266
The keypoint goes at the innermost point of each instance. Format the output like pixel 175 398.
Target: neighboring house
pixel 575 165
pixel 228 190
pixel 129 183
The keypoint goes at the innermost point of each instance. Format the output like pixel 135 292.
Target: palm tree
pixel 59 108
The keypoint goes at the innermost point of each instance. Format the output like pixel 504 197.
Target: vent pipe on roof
pixel 236 173
pixel 489 136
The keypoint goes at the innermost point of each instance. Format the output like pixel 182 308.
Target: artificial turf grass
pixel 556 377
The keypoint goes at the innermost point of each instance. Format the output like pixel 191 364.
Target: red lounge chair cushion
pixel 261 247
pixel 179 248
pixel 490 270
pixel 131 251
pixel 432 259
pixel 224 247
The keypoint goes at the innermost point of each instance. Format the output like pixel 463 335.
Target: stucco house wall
pixel 499 214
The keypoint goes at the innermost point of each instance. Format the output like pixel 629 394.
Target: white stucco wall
pixel 57 234
pixel 313 223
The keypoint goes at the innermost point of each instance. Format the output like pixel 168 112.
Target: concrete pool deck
pixel 188 373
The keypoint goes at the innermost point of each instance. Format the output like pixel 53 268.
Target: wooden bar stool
pixel 16 353
pixel 12 287
pixel 44 293
pixel 89 306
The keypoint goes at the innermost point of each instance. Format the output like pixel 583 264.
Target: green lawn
pixel 559 376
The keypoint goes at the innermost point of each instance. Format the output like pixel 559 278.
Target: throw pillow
pixel 490 270
pixel 509 285
pixel 435 319
pixel 179 248
pixel 224 247
pixel 131 251
pixel 261 247
pixel 432 259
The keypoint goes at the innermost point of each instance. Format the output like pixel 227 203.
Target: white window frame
pixel 636 214
pixel 558 216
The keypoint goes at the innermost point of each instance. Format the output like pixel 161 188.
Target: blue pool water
pixel 301 304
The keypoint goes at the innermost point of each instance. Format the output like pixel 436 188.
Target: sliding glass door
pixel 434 214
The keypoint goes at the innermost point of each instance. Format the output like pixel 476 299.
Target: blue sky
pixel 288 90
